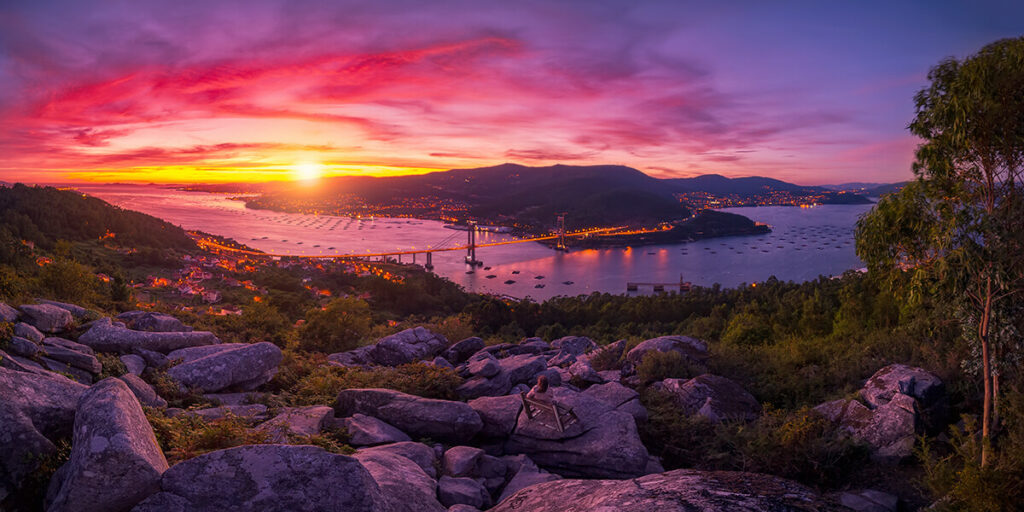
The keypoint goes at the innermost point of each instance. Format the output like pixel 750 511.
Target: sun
pixel 307 171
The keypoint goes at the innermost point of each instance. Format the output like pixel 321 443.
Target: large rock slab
pixel 922 385
pixel 9 314
pixel 366 430
pixel 35 410
pixel 297 422
pixel 499 414
pixel 47 317
pixel 405 486
pixel 520 369
pixel 889 430
pixel 462 491
pixel 693 349
pixel 408 346
pixel 716 398
pixel 604 443
pixel 620 398
pixel 104 336
pixel 443 420
pixel 76 311
pixel 81 360
pixel 246 367
pixel 27 331
pixel 24 347
pixel 115 460
pixel 189 354
pixel 143 391
pixel 421 454
pixel 152 322
pixel 525 475
pixel 460 352
pixel 575 345
pixel 683 490
pixel 271 478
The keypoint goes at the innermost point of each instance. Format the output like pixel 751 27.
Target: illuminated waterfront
pixel 805 243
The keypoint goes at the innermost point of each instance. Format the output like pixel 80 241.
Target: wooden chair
pixel 537 409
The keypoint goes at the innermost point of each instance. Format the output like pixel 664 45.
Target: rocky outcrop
pixel 47 317
pixel 397 349
pixel 683 490
pixel 525 473
pixel 405 486
pixel 604 443
pixel 462 491
pixel 143 391
pixel 9 314
pixel 115 460
pixel 716 398
pixel 620 398
pixel 691 348
pixel 23 347
pixel 460 352
pixel 419 417
pixel 889 430
pixel 250 411
pixel 297 422
pixel 104 336
pixel 366 430
pixel 152 322
pixel 267 478
pixel 133 363
pixel 922 385
pixel 35 410
pixel 499 414
pixel 421 454
pixel 72 353
pixel 243 367
pixel 28 332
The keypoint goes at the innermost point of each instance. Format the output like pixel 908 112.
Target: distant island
pixel 528 200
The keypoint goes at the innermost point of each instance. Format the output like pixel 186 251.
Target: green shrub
pixel 112 365
pixel 799 445
pixel 185 436
pixel 294 367
pixel 341 325
pixel 169 389
pixel 953 470
pixel 656 366
pixel 34 486
pixel 323 384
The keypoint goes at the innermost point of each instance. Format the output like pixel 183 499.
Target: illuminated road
pixel 207 243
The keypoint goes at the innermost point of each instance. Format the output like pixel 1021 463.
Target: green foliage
pixel 169 389
pixel 799 444
pixel 44 215
pixel 953 469
pixel 656 366
pixel 294 367
pixel 322 385
pixel 185 436
pixel 341 325
pixel 33 490
pixel 112 365
pixel 70 281
pixel 6 331
pixel 747 329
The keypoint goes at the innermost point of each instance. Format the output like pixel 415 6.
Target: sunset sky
pixel 812 92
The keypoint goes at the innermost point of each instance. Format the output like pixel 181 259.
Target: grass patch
pixel 321 386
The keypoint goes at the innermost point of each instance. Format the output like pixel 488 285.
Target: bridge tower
pixel 471 250
pixel 560 230
pixel 430 261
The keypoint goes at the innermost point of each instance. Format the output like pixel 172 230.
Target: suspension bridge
pixel 560 236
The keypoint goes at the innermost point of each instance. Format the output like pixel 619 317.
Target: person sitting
pixel 540 391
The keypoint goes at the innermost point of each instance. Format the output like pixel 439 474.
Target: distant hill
pixel 43 215
pixel 720 185
pixel 880 190
pixel 508 193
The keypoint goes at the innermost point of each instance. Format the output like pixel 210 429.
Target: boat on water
pixel 491 276
pixel 470 272
pixel 538 277
pixel 509 282
pixel 567 282
pixel 539 286
pixel 515 272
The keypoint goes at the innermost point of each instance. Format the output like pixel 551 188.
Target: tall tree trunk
pixel 986 365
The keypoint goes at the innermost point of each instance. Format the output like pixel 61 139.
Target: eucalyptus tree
pixel 959 228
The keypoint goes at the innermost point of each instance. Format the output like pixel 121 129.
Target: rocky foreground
pixel 481 453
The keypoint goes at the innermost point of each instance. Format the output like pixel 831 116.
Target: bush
pixel 185 436
pixel 339 327
pixel 294 367
pixel 954 473
pixel 656 366
pixel 33 489
pixel 799 445
pixel 112 365
pixel 323 384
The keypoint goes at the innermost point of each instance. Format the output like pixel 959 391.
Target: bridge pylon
pixel 560 231
pixel 471 250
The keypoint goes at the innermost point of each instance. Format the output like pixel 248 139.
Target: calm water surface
pixel 804 243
